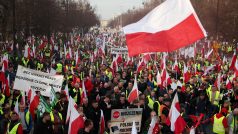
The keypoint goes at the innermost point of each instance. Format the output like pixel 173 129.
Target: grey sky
pixel 107 9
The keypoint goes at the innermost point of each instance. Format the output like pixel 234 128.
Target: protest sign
pixel 122 120
pixel 39 81
pixel 119 51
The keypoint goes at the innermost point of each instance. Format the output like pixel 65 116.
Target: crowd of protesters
pixel 109 88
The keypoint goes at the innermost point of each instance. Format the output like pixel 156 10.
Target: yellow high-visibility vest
pixel 13 130
pixel 218 126
pixel 150 102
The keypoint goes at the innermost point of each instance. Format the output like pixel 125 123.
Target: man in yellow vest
pixel 220 123
pixel 151 100
pixel 26 119
pixel 59 68
pixel 57 121
pixel 214 97
pixel 14 127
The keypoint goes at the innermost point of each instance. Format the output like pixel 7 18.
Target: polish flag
pixel 176 121
pixel 5 61
pixel 84 93
pixel 163 62
pixel 186 74
pixel 34 51
pixel 66 90
pixel 208 55
pixel 236 69
pixel 165 78
pixel 27 52
pixel 153 126
pixel 224 60
pixel 146 57
pixel 7 87
pixel 140 65
pixel 76 121
pixel 2 76
pixel 218 81
pixel 119 58
pixel 70 104
pixel 233 61
pixel 70 52
pixel 102 124
pixel 34 102
pixel 208 69
pixel 176 67
pixel 158 78
pixel 172 25
pixel 16 108
pixel 228 84
pixel 134 94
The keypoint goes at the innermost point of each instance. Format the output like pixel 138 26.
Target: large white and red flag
pixel 172 25
pixel 102 124
pixel 176 121
pixel 76 121
pixel 34 102
pixel 134 94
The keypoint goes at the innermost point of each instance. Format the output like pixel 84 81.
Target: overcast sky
pixel 106 9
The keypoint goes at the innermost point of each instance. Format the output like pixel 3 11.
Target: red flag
pixel 102 124
pixel 5 61
pixel 228 84
pixel 119 58
pixel 140 66
pixel 218 81
pixel 170 26
pixel 176 67
pixel 233 61
pixel 186 74
pixel 165 78
pixel 177 122
pixel 134 94
pixel 158 78
pixel 7 87
pixel 208 55
pixel 76 121
pixel 147 57
pixel 84 93
pixel 34 102
pixel 199 120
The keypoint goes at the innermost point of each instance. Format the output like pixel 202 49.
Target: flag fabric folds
pixel 176 121
pixel 134 94
pixel 171 25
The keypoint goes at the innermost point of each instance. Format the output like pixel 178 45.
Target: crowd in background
pixel 88 58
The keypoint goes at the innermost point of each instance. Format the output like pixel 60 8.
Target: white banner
pixel 119 51
pixel 39 81
pixel 122 120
